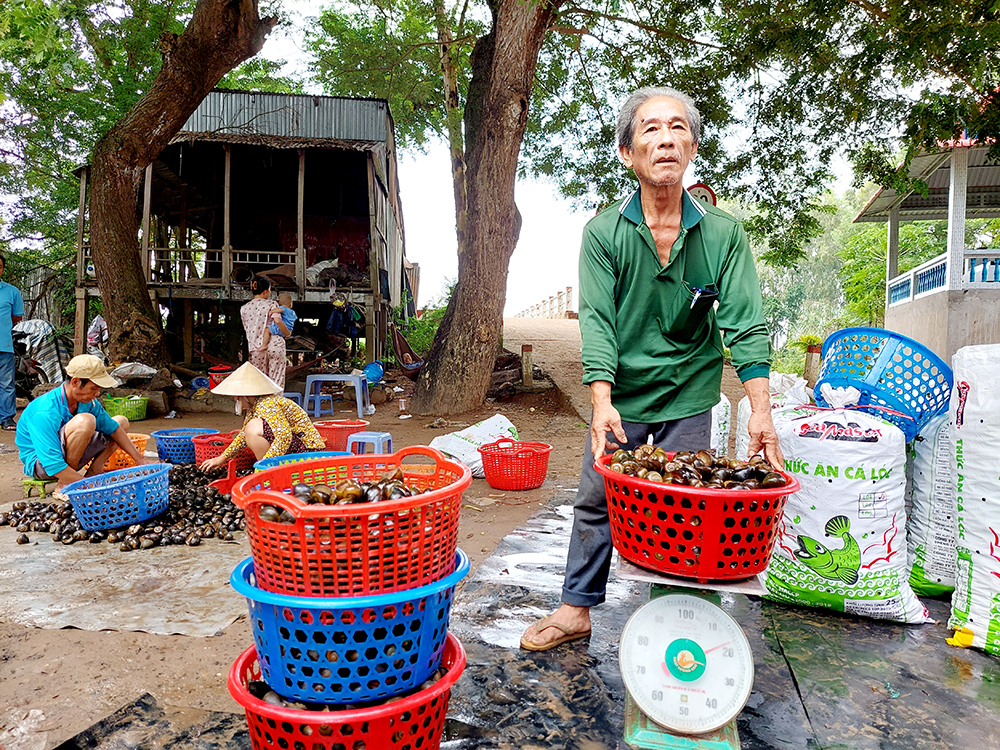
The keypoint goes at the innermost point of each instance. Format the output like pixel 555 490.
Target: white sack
pixel 794 393
pixel 842 539
pixel 463 445
pixel 721 424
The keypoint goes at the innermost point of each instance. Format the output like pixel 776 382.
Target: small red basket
pixel 693 532
pixel 336 431
pixel 513 465
pixel 210 446
pixel 415 721
pixel 358 549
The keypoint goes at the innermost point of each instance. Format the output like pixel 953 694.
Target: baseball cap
pixel 92 368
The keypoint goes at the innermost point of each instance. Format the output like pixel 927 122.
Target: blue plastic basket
pixel 294 458
pixel 900 379
pixel 349 649
pixel 121 497
pixel 176 446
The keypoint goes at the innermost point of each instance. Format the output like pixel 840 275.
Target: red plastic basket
pixel 415 721
pixel 336 431
pixel 513 465
pixel 692 532
pixel 352 550
pixel 210 446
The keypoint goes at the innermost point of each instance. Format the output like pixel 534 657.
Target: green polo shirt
pixel 648 330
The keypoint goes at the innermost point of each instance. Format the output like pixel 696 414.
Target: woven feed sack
pixel 778 401
pixel 721 421
pixel 975 435
pixel 842 539
pixel 931 513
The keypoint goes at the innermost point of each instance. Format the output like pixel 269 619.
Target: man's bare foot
pixel 568 623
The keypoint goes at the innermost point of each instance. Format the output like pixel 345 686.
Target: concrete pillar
pixel 956 216
pixel 527 368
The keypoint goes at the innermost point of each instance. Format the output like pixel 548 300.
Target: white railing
pixel 557 306
pixel 980 270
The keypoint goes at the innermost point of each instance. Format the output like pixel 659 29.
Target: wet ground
pixel 822 680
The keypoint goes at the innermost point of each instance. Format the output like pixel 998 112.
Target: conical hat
pixel 247 380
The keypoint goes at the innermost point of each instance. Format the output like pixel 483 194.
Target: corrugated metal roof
pixel 296 116
pixel 934 168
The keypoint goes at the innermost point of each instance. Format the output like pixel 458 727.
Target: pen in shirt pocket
pixel 698 292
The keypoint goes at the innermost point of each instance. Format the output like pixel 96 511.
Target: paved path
pixel 556 350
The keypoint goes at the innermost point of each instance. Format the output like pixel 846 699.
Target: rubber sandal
pixel 10 426
pixel 567 636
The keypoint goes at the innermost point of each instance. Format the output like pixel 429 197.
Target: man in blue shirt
pixel 65 429
pixel 12 309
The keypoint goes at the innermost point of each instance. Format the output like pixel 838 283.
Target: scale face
pixel 686 663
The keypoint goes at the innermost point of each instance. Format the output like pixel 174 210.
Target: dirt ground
pixel 55 683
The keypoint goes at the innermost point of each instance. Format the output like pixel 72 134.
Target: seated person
pixel 65 429
pixel 288 317
pixel 274 425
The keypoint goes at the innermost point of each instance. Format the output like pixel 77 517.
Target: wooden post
pixel 300 251
pixel 227 254
pixel 147 195
pixel 371 327
pixel 188 332
pixel 892 251
pixel 527 369
pixel 813 360
pixel 80 323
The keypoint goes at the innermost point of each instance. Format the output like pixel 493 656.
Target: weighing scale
pixel 687 666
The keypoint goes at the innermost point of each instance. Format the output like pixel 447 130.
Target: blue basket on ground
pixel 294 458
pixel 374 372
pixel 349 649
pixel 121 497
pixel 176 446
pixel 901 380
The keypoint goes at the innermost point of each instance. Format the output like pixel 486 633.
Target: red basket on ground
pixel 513 465
pixel 693 532
pixel 352 550
pixel 411 722
pixel 336 431
pixel 210 446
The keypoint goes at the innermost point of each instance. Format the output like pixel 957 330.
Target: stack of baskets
pixel 349 605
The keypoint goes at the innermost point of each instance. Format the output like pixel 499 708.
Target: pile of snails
pixel 345 492
pixel 194 512
pixel 697 469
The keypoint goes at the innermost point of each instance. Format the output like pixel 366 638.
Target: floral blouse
pixel 285 418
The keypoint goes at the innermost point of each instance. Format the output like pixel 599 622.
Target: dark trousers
pixel 588 562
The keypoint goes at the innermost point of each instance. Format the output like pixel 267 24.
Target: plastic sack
pixel 975 419
pixel 129 370
pixel 722 414
pixel 842 539
pixel 931 512
pixel 464 445
pixel 796 393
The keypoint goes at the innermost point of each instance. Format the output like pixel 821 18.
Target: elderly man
pixel 652 268
pixel 63 430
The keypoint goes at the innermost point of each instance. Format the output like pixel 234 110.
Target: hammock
pixel 402 347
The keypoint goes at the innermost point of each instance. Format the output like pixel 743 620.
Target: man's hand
pixel 213 463
pixel 606 419
pixel 763 436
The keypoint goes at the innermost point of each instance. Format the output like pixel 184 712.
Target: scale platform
pixel 753 586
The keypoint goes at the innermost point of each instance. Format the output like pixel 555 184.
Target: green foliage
pixel 419 332
pixel 258 74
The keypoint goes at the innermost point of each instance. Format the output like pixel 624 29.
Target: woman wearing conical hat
pixel 274 425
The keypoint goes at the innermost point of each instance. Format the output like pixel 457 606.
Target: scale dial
pixel 686 663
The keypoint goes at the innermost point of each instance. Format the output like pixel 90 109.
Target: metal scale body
pixel 687 666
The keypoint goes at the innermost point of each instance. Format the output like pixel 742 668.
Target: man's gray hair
pixel 625 129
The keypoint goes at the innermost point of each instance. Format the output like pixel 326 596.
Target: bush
pixel 418 332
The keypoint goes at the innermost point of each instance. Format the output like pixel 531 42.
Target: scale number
pixel 657 695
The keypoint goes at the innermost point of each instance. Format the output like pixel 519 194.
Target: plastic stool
pixel 318 399
pixel 39 485
pixel 381 442
pixel 294 396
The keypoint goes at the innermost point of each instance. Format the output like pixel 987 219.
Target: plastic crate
pixel 515 465
pixel 294 458
pixel 214 444
pixel 122 460
pixel 416 721
pixel 133 408
pixel 177 446
pixel 336 431
pixel 352 550
pixel 119 498
pixel 349 649
pixel 900 379
pixel 693 532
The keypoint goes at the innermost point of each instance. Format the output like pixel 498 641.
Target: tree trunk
pixel 457 373
pixel 220 35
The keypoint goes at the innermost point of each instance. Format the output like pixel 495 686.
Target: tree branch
pixel 648 27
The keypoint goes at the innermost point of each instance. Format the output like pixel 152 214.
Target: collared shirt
pixel 38 428
pixel 285 418
pixel 652 331
pixel 11 306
